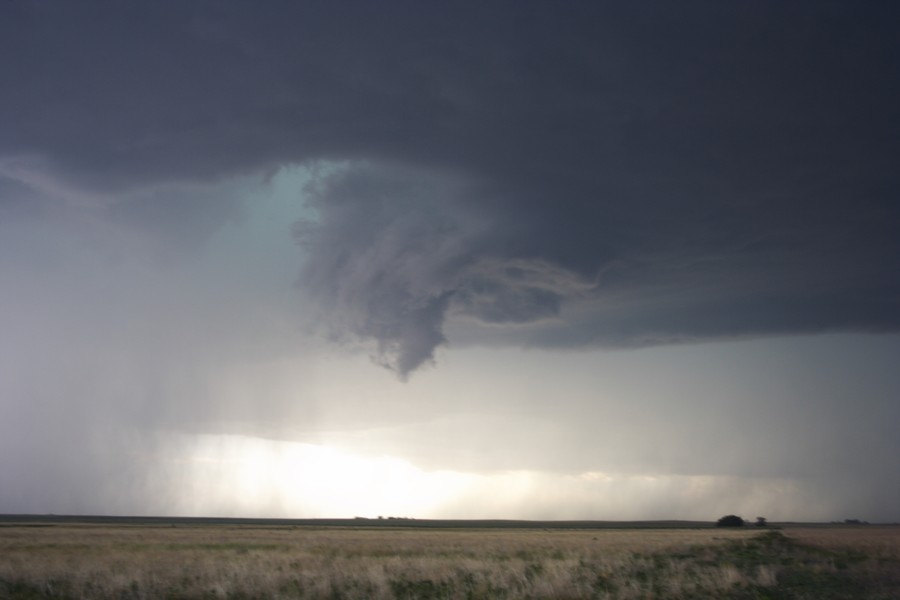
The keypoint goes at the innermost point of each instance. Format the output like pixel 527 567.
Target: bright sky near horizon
pixel 499 260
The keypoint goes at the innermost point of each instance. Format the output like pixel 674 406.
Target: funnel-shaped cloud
pixel 391 251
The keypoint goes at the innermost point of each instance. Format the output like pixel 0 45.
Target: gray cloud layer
pixel 558 175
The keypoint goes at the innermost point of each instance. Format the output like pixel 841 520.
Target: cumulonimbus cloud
pixel 560 176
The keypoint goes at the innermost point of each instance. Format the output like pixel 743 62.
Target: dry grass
pixel 876 542
pixel 65 561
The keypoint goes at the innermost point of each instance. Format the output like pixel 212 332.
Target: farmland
pixel 233 559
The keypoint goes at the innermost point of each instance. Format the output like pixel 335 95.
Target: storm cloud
pixel 587 174
pixel 651 247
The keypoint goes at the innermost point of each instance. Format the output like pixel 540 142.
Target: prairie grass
pixel 122 562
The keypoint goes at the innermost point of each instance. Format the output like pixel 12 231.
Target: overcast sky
pixel 589 260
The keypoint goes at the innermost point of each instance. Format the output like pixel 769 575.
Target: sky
pixel 530 260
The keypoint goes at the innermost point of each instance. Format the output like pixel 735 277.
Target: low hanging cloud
pixel 392 252
pixel 402 255
pixel 518 172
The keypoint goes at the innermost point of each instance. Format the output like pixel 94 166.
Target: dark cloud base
pixel 600 173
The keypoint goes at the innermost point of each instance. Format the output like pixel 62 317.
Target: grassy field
pixel 222 561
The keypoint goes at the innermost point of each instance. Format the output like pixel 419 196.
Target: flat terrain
pixel 234 559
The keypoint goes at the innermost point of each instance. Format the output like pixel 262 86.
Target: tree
pixel 730 521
